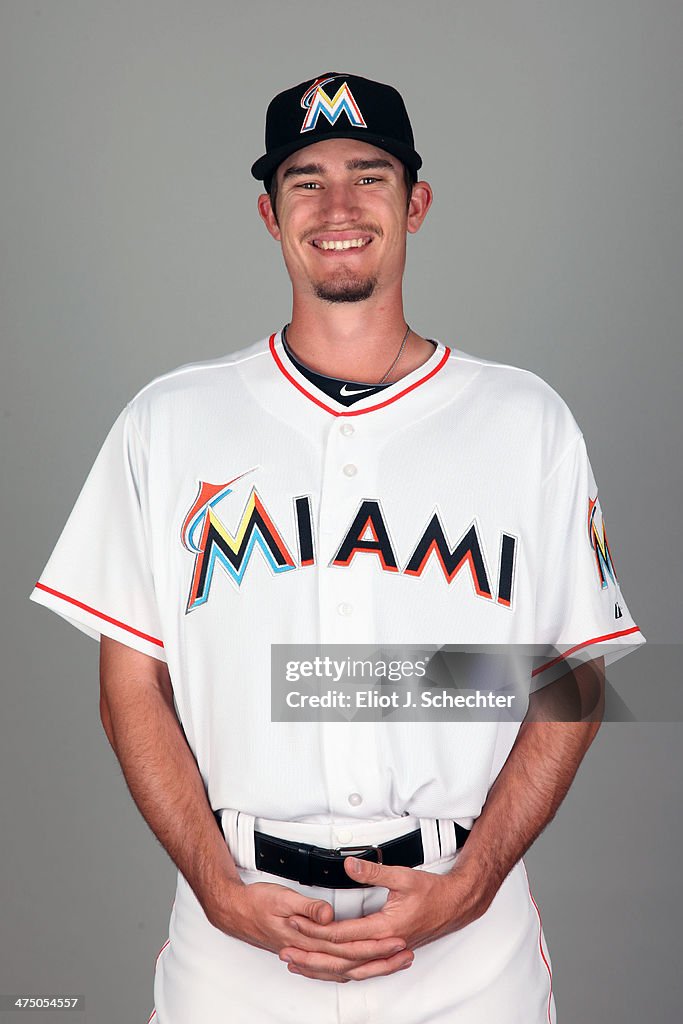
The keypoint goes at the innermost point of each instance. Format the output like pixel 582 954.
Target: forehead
pixel 334 154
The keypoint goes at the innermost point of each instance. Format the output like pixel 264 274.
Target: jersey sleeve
pixel 581 613
pixel 99 576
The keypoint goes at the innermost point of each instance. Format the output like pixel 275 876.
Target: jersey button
pixel 346 429
pixel 343 836
pixel 350 469
pixel 344 608
pixel 355 799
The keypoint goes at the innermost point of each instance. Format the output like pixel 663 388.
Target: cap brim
pixel 269 162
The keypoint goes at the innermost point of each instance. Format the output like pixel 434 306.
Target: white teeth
pixel 349 243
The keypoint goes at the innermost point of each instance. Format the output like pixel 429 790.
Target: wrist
pixel 222 905
pixel 470 888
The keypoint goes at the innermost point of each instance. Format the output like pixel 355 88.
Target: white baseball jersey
pixel 233 505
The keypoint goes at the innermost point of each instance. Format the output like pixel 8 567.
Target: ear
pixel 420 201
pixel 265 210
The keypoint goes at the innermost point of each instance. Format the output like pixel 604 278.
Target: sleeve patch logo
pixel 599 543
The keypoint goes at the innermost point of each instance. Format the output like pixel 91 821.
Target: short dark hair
pixel 270 185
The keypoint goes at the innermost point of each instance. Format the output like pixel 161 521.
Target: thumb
pixel 370 873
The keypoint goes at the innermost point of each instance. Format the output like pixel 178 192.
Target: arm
pixel 138 715
pixel 559 727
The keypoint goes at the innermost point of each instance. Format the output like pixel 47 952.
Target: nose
pixel 340 203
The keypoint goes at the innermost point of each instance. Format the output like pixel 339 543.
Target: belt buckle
pixel 352 851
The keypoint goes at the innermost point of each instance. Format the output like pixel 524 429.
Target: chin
pixel 345 289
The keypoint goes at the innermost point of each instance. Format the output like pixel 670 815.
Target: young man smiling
pixel 343 216
pixel 344 481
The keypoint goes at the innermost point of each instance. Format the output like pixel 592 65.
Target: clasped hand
pixel 420 907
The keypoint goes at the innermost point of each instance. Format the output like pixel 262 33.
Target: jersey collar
pixel 388 396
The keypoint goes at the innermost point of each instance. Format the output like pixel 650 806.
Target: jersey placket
pixel 346 608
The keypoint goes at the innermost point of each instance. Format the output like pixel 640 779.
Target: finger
pixel 313 964
pixel 366 871
pixel 380 968
pixel 373 927
pixel 353 951
pixel 317 911
pixel 318 977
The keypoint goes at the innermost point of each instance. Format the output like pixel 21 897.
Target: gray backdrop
pixel 552 135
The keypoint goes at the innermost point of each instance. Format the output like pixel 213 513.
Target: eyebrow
pixel 371 164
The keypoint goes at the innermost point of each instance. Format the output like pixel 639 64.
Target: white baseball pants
pixel 494 971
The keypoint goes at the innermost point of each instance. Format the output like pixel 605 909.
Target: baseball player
pixel 343 481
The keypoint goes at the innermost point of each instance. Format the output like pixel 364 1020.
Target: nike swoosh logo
pixel 346 392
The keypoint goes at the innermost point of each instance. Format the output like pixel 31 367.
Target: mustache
pixel 362 229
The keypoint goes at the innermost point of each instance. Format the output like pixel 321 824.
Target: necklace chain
pixel 398 356
pixel 396 359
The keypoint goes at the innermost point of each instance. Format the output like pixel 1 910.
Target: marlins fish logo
pixel 316 102
pixel 599 543
pixel 211 542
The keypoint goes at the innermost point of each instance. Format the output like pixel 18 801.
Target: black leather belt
pixel 313 865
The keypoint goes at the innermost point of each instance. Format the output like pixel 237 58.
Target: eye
pixel 309 184
pixel 369 178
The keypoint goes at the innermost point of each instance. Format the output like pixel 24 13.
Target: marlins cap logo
pixel 315 102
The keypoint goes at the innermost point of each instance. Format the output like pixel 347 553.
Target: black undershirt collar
pixel 345 391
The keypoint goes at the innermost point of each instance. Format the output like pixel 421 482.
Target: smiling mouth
pixel 340 245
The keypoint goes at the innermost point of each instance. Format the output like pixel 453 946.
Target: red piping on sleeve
pixel 100 615
pixel 577 647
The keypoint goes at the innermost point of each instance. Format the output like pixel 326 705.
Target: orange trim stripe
pixel 352 412
pixel 540 946
pixel 577 647
pixel 100 615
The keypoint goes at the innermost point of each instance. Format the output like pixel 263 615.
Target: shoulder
pixel 519 401
pixel 199 376
pixel 515 383
pixel 182 388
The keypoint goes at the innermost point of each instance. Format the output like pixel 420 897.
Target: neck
pixel 355 340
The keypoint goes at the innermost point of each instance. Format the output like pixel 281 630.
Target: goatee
pixel 350 289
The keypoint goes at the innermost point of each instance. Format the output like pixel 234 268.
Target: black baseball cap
pixel 336 106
